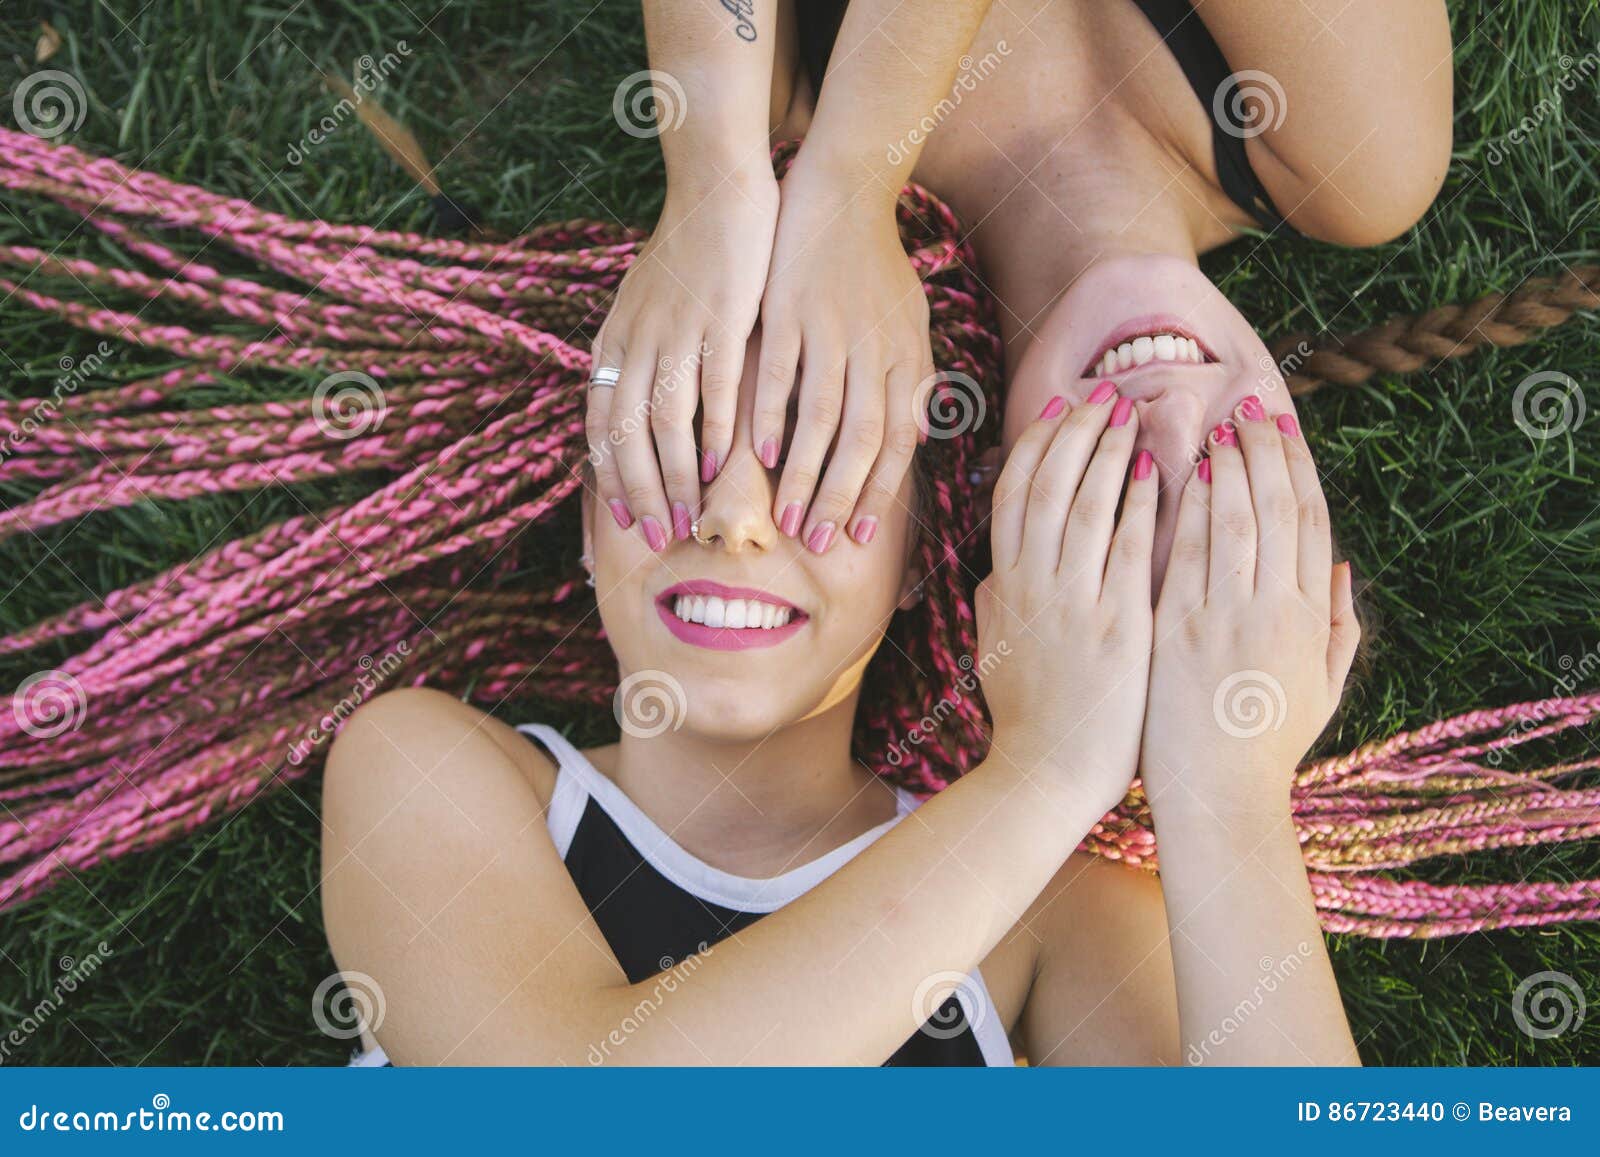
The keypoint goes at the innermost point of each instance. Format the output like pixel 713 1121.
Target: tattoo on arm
pixel 743 13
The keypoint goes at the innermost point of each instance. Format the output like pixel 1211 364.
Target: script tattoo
pixel 743 13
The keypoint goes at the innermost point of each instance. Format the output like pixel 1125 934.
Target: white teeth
pixel 1157 347
pixel 1144 349
pixel 1194 350
pixel 1125 355
pixel 735 614
pixel 1166 347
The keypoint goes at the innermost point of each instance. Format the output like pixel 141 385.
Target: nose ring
pixel 694 532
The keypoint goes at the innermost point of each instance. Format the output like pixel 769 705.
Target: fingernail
pixel 1288 425
pixel 821 536
pixel 1204 470
pixel 1122 411
pixel 1101 392
pixel 790 522
pixel 680 521
pixel 769 453
pixel 865 529
pixel 619 511
pixel 1251 409
pixel 1142 465
pixel 1223 435
pixel 653 534
pixel 708 466
pixel 1053 407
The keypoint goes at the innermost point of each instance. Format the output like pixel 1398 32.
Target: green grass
pixel 1480 549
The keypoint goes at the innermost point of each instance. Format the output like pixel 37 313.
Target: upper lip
pixel 706 587
pixel 1140 326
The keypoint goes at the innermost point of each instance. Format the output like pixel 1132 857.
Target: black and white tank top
pixel 656 904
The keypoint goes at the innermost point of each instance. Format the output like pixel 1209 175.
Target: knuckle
pixel 1191 552
pixel 802 478
pixel 901 439
pixel 822 408
pixel 1313 512
pixel 1283 509
pixel 1238 525
pixel 640 495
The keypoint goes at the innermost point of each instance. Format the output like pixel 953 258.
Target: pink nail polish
pixel 1250 409
pixel 1288 425
pixel 653 534
pixel 821 536
pixel 1101 392
pixel 619 511
pixel 1204 470
pixel 769 453
pixel 1052 408
pixel 1142 465
pixel 680 521
pixel 1122 411
pixel 790 522
pixel 866 528
pixel 708 466
pixel 1223 435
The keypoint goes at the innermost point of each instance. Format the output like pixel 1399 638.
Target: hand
pixel 677 331
pixel 845 307
pixel 1255 629
pixel 1064 620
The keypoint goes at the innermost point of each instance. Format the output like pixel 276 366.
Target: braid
pixel 460 365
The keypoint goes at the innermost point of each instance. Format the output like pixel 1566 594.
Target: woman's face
pixel 1160 330
pixel 691 624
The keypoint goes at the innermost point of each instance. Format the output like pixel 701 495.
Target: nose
pixel 1171 427
pixel 736 508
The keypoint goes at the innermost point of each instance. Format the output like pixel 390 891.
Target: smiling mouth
pixel 1140 344
pixel 707 614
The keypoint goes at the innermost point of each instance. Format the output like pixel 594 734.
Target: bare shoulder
pixel 1102 989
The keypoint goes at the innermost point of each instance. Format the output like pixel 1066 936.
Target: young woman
pixel 1093 149
pixel 728 885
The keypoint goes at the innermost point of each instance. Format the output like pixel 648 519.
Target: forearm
pixel 892 64
pixel 1254 983
pixel 833 977
pixel 717 60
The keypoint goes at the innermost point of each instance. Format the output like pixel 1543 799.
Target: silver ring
pixel 605 376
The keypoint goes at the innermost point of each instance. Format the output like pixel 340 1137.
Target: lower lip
pixel 728 638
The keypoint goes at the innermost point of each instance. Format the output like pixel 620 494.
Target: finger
pixel 775 381
pixel 882 487
pixel 721 367
pixel 603 454
pixel 1188 566
pixel 1233 521
pixel 816 422
pixel 1344 633
pixel 859 443
pixel 635 449
pixel 1313 538
pixel 1128 566
pixel 1092 519
pixel 1010 502
pixel 1056 481
pixel 672 405
pixel 1272 498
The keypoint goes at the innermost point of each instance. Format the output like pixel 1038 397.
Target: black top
pixel 1191 43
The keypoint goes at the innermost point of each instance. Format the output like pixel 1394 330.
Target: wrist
pixel 828 179
pixel 1238 820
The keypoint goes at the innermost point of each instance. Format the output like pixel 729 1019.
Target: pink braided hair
pixel 191 692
